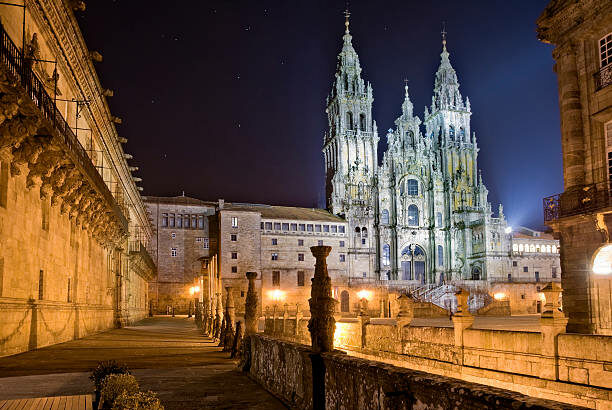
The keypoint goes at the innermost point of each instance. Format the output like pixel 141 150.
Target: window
pixel 364 232
pixel 275 256
pixel 173 235
pixel 509 277
pixel 41 284
pixel 234 269
pixel 334 229
pixel 300 257
pixel 451 133
pixel 179 221
pixel 413 215
pixel 364 274
pixel 386 253
pixel 605 50
pixel 342 257
pixel 341 229
pixel 319 243
pixel 537 276
pixel 173 252
pixel 234 222
pixel 462 134
pixel 325 228
pixel 439 219
pixel 521 247
pixel 205 243
pixel 186 221
pixel 233 237
pixel 342 244
pixel 362 122
pixel 384 217
pixel 302 227
pixel 200 221
pixel 285 226
pixel 277 226
pixel 525 269
pixel 554 272
pixel 363 241
pixel 234 255
pixel 412 187
pixel 514 247
pixel 198 239
pixel 294 227
pixel 554 249
pixel 440 255
pixel 193 221
pixel 171 221
pixel 274 241
pixel 309 227
pixel 514 263
pixel 349 120
pixel 300 278
pixel 164 220
pixel 275 278
pixel 300 242
pixel 268 225
pixel 261 225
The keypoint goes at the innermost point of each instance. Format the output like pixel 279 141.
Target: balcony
pixel 603 77
pixel 138 251
pixel 588 199
pixel 12 60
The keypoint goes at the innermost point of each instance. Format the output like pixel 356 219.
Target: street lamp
pixel 193 291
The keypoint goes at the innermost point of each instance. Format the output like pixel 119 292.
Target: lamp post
pixel 193 291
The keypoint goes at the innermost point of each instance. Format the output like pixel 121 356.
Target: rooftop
pixel 285 212
pixel 178 200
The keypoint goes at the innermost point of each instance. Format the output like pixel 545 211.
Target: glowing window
pixel 605 50
pixel 385 217
pixel 412 187
pixel 532 248
pixel 548 249
pixel 602 263
pixel 515 248
pixel 386 255
pixel 413 215
pixel 521 247
pixel 554 249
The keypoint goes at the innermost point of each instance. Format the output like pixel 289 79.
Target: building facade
pixel 73 228
pixel 581 32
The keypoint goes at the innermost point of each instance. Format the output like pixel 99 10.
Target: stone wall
pixel 285 369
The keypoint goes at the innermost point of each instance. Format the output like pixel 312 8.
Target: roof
pixel 543 235
pixel 177 200
pixel 285 212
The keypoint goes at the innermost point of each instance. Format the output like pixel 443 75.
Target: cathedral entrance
pixel 413 263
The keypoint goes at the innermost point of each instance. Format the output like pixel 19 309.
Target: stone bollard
pixel 364 319
pixel 321 324
pixel 218 317
pixel 298 319
pixel 237 342
pixel 250 307
pixel 285 318
pixel 552 323
pixel 230 311
pixel 405 314
pixel 462 319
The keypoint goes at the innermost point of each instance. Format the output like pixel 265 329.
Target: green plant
pixel 114 385
pixel 137 401
pixel 103 369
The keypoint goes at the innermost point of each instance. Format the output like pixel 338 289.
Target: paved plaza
pixel 167 355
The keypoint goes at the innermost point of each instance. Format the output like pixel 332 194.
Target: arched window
pixel 386 253
pixel 364 232
pixel 440 255
pixel 349 120
pixel 344 301
pixel 532 248
pixel 384 219
pixel 521 247
pixel 413 215
pixel 357 231
pixel 451 132
pixel 554 249
pixel 476 273
pixel 410 137
pixel 439 219
pixel 462 134
pixel 346 82
pixel 362 122
pixel 412 187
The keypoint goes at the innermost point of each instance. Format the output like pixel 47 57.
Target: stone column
pixel 364 319
pixel 298 319
pixel 230 312
pixel 322 306
pixel 218 317
pixel 274 319
pixel 552 323
pixel 250 307
pixel 462 319
pixel 285 318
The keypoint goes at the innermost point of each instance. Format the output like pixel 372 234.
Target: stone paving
pixel 167 355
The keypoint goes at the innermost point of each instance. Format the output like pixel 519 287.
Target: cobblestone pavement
pixel 166 355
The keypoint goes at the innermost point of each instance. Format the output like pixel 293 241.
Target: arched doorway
pixel 413 263
pixel 344 301
pixel 476 273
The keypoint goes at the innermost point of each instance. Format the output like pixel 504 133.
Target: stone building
pixel 581 216
pixel 184 234
pixel 424 211
pixel 73 229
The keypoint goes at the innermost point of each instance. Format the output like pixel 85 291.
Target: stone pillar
pixel 552 323
pixel 462 319
pixel 322 306
pixel 250 307
pixel 364 319
pixel 382 308
pixel 298 319
pixel 274 319
pixel 218 317
pixel 230 311
pixel 285 318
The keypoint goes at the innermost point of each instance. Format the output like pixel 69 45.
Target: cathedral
pixel 423 215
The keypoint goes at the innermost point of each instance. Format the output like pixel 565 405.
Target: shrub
pixel 103 369
pixel 116 384
pixel 137 401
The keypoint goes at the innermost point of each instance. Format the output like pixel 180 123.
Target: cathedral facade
pixel 423 215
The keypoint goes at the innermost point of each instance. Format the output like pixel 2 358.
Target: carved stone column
pixel 552 323
pixel 322 306
pixel 462 320
pixel 250 307
pixel 230 312
pixel 218 317
pixel 298 319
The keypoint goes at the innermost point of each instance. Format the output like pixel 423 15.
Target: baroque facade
pixel 423 215
pixel 73 228
pixel 581 216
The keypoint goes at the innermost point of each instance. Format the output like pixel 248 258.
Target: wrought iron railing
pixel 587 199
pixel 603 77
pixel 12 60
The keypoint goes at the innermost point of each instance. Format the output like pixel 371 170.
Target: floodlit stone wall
pixel 285 369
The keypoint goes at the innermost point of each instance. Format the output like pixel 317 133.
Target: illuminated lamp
pixel 364 294
pixel 499 296
pixel 508 229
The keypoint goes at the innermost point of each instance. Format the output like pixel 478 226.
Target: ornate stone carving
pixel 322 306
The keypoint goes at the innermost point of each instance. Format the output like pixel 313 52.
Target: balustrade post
pixel 552 323
pixel 285 318
pixel 364 319
pixel 298 318
pixel 462 319
pixel 274 319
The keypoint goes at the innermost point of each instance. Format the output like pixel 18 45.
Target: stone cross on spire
pixel 347 14
pixel 443 32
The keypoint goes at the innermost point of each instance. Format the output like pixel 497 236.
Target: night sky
pixel 226 99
